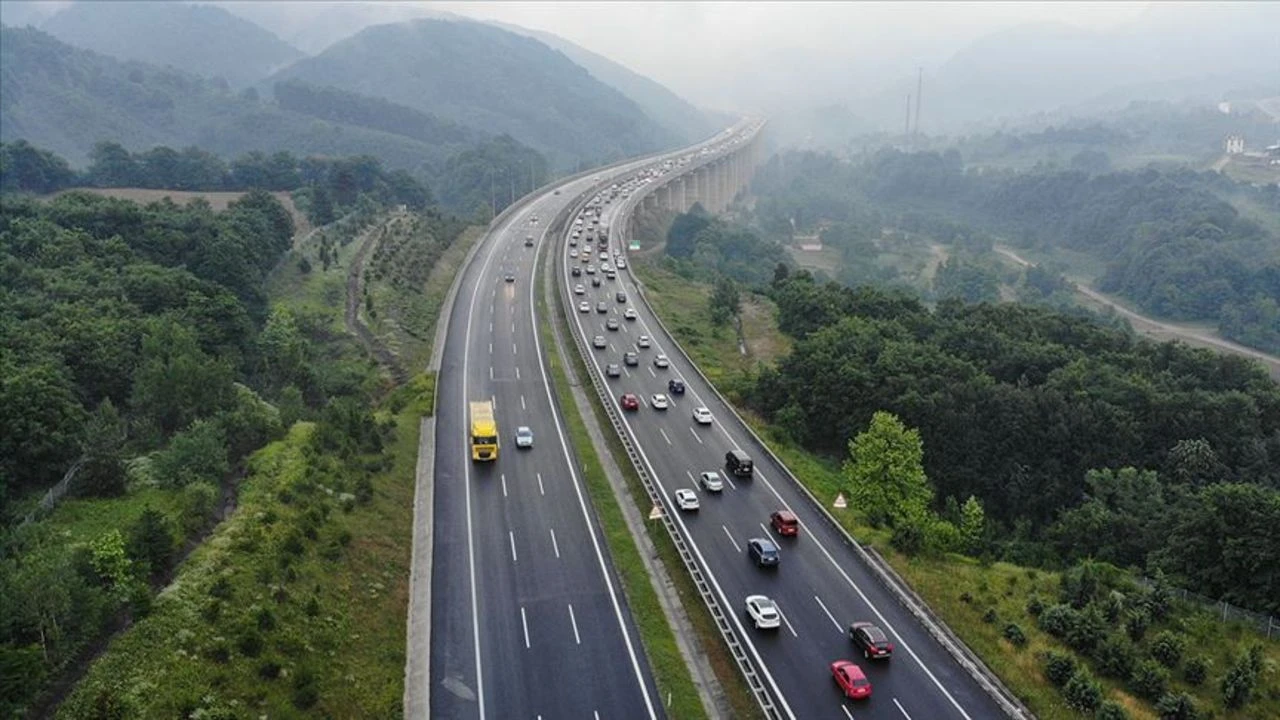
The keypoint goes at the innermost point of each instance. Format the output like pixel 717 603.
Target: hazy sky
pixel 689 46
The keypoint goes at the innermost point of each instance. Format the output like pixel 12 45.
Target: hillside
pixel 490 79
pixel 200 39
pixel 668 109
pixel 66 99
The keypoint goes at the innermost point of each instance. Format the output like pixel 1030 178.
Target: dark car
pixel 630 401
pixel 763 552
pixel 528 241
pixel 602 307
pixel 511 277
pixel 595 281
pixel 675 386
pixel 785 523
pixel 738 463
pixel 576 271
pixel 631 358
pixel 872 640
pixel 621 296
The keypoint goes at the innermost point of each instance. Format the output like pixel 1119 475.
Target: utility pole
pixel 906 126
pixel 919 90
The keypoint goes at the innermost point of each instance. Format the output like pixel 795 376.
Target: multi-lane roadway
pixel 528 618
pixel 821 585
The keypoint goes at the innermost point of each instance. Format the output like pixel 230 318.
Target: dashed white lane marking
pixel 901 709
pixel 788 622
pixel 730 536
pixel 664 435
pixel 522 406
pixel 525 622
pixel 517 372
pixel 490 372
pixel 541 490
pixel 574 621
pixel 555 545
pixel 490 348
pixel 512 535
pixel 829 615
pixel 695 436
pixel 504 484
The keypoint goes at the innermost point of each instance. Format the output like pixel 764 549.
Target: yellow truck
pixel 484 431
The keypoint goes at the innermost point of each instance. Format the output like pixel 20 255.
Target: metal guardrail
pixel 718 613
pixel 907 597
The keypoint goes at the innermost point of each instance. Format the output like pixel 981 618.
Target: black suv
pixel 738 463
pixel 621 296
pixel 675 386
pixel 872 640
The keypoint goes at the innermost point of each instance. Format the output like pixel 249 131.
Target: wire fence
pixel 1263 624
pixel 55 493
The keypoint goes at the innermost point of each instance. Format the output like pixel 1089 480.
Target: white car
pixel 686 499
pixel 659 401
pixel 711 481
pixel 702 416
pixel 584 306
pixel 598 342
pixel 630 314
pixel 763 612
pixel 620 262
pixel 642 341
pixel 661 361
pixel 524 437
pixel 579 290
pixel 573 252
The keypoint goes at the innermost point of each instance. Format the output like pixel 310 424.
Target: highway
pixel 821 584
pixel 528 618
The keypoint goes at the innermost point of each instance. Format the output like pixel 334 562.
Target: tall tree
pixel 885 472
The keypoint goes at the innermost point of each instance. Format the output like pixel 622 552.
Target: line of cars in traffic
pixel 761 611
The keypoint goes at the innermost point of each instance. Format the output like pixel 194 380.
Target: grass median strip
pixel 672 676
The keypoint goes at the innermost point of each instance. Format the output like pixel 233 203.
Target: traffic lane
pixel 814 604
pixel 940 671
pixel 953 686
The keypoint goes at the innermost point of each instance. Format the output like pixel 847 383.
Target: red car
pixel 785 523
pixel 852 682
pixel 630 401
pixel 871 640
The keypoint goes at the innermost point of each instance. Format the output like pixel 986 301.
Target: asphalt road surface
pixel 821 585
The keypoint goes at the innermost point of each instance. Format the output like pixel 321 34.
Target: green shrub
pixel 249 643
pixel 269 670
pixel 1111 710
pixel 1167 648
pixel 1195 671
pixel 1013 633
pixel 1058 667
pixel 1115 657
pixel 1035 605
pixel 221 588
pixel 1241 680
pixel 1150 680
pixel 1177 707
pixel 990 616
pixel 1058 620
pixel 1136 623
pixel 305 692
pixel 1082 692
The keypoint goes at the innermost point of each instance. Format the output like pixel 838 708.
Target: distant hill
pixel 66 99
pixel 199 39
pixel 668 109
pixel 491 79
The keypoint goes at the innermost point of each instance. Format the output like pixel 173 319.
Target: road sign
pixel 633 245
pixel 840 502
pixel 655 513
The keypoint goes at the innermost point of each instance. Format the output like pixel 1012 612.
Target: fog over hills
pixel 200 39
pixel 490 79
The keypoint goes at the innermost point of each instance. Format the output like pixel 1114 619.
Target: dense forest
pixel 497 171
pixel 137 344
pixel 1169 240
pixel 1038 415
pixel 705 247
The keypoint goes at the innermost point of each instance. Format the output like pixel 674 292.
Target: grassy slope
pixel 353 647
pixel 944 582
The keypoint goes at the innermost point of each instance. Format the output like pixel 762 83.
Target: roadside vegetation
pixel 1050 602
pixel 244 492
